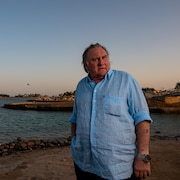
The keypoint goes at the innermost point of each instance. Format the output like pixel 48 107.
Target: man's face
pixel 97 63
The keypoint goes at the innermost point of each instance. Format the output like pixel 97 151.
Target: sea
pixel 29 124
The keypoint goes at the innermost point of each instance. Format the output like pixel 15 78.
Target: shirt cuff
pixel 142 116
pixel 72 119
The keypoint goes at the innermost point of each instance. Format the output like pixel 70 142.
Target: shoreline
pixel 56 163
pixel 65 105
pixel 23 145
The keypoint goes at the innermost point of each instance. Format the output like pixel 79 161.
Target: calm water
pixel 45 125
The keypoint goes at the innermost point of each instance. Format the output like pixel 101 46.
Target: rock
pixel 30 144
pixel 23 145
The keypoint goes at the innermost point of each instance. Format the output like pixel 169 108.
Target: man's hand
pixel 141 169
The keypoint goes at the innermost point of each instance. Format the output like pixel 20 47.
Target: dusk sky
pixel 42 41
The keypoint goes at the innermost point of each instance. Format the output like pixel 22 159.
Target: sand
pixel 57 164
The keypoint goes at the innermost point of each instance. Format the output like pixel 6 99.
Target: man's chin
pixel 102 71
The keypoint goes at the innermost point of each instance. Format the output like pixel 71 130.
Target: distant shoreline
pixel 68 106
pixel 42 105
pixel 165 110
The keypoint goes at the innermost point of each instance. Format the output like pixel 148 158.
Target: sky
pixel 42 41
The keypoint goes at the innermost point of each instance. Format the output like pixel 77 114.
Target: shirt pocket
pixel 112 105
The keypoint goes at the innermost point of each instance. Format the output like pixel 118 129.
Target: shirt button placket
pixel 93 119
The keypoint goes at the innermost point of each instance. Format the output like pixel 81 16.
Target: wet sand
pixel 56 163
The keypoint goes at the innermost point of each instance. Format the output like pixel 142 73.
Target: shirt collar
pixel 109 74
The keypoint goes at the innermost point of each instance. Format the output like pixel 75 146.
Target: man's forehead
pixel 97 51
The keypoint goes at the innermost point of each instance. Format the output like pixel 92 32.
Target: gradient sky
pixel 41 42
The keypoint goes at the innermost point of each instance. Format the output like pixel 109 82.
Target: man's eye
pixel 94 59
pixel 104 57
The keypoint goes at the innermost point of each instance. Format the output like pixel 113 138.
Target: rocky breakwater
pixel 42 105
pixel 45 103
pixel 29 145
pixel 169 103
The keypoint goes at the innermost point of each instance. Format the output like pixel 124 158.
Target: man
pixel 110 124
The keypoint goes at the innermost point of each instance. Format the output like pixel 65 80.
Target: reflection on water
pixel 165 124
pixel 31 124
pixel 45 125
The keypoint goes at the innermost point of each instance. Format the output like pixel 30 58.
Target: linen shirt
pixel 105 115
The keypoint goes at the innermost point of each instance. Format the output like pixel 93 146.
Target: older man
pixel 110 124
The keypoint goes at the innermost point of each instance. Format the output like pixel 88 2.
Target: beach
pixel 56 163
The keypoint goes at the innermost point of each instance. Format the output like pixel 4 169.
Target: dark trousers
pixel 81 175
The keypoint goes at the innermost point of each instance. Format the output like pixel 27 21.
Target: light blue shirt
pixel 105 115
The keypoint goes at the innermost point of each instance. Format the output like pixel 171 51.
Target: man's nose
pixel 100 61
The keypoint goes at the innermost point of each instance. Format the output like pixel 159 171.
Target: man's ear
pixel 86 67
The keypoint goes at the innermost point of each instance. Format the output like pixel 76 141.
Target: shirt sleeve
pixel 73 117
pixel 138 107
